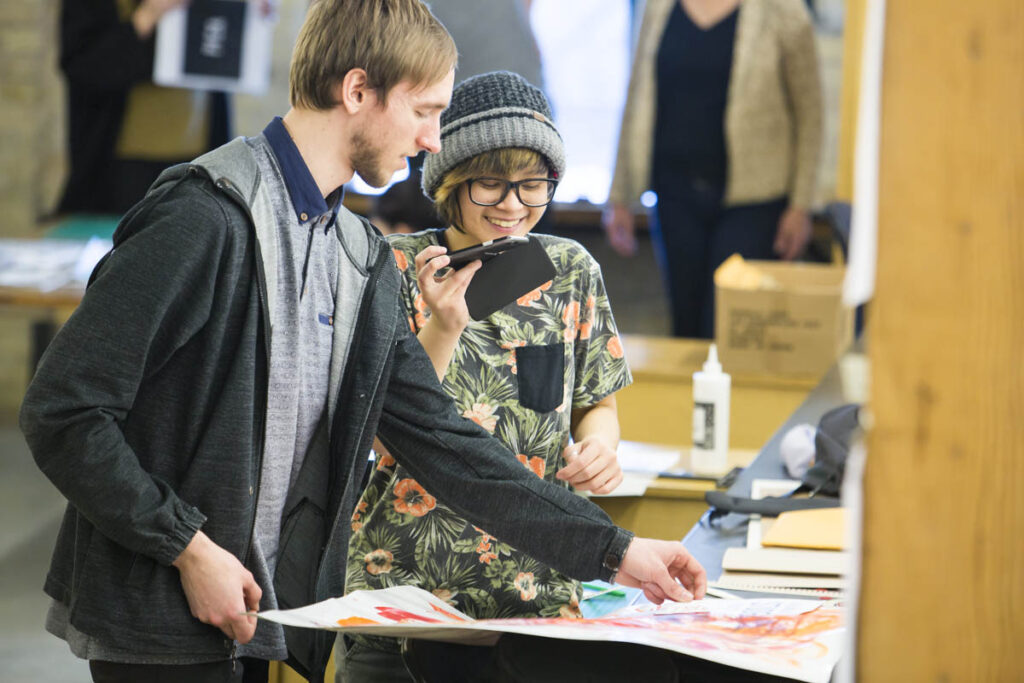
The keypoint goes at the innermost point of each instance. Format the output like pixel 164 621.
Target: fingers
pixel 244 628
pixel 444 296
pixel 459 280
pixel 689 571
pixel 779 245
pixel 653 592
pixel 252 593
pixel 592 466
pixel 658 567
pixel 431 260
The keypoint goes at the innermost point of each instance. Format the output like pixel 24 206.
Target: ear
pixel 354 91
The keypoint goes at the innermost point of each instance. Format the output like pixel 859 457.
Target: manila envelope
pixel 821 529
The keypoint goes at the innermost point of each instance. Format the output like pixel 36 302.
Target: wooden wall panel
pixel 943 574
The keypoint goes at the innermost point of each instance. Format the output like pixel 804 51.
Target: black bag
pixel 836 431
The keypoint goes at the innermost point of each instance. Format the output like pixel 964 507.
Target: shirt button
pixel 303 216
pixel 250 490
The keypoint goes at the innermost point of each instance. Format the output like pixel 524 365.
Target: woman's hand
pixel 593 466
pixel 445 296
pixel 148 14
pixel 618 223
pixel 793 234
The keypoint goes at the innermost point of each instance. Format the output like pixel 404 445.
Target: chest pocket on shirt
pixel 541 374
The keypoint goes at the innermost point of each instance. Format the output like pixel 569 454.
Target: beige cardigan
pixel 773 115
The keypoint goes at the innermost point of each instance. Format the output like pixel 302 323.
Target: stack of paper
pixel 799 553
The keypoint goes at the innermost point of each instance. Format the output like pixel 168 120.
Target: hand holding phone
pixel 484 251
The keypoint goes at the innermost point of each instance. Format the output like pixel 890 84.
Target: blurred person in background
pixel 123 130
pixel 723 120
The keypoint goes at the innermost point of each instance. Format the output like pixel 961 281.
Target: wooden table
pixel 46 311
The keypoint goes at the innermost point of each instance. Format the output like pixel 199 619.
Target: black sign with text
pixel 213 38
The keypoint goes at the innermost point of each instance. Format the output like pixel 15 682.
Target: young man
pixel 208 408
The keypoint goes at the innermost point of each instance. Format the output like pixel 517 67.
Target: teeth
pixel 504 224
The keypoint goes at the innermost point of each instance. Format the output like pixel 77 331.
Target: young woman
pixel 541 370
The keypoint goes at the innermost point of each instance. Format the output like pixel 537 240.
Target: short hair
pixel 500 163
pixel 392 40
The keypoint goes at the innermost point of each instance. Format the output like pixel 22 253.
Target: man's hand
pixel 219 589
pixel 665 570
pixel 793 233
pixel 618 223
pixel 593 466
pixel 446 296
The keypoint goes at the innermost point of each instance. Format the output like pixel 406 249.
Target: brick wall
pixel 31 114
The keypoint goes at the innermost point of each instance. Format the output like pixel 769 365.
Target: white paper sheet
pixel 644 457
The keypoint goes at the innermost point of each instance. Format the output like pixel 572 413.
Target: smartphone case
pixel 508 276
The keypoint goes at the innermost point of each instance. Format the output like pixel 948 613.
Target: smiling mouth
pixel 503 223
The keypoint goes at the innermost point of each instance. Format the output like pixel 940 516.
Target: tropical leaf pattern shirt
pixel 518 374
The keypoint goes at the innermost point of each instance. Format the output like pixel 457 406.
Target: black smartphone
pixel 484 251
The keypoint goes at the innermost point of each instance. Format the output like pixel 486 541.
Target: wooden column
pixel 943 572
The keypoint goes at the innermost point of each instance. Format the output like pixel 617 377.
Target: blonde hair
pixel 392 40
pixel 498 163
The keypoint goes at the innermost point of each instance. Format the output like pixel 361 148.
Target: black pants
pixel 241 670
pixel 693 234
pixel 526 659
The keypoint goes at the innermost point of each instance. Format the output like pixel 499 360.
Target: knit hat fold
pixel 491 111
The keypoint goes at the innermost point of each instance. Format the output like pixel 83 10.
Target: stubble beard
pixel 366 162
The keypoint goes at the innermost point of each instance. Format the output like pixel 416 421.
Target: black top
pixel 693 67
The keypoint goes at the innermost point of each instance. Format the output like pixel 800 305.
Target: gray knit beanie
pixel 491 111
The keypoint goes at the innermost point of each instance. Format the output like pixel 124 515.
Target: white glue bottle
pixel 710 417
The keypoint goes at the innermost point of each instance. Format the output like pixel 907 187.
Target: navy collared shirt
pixel 309 204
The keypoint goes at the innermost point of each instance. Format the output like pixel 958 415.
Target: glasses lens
pixel 531 192
pixel 487 191
pixel 536 192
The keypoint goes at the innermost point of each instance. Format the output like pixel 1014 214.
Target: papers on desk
pixel 797 639
pixel 47 265
pixel 647 458
pixel 796 554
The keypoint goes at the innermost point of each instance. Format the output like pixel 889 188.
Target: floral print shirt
pixel 518 374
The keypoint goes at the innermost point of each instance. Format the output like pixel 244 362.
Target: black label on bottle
pixel 704 425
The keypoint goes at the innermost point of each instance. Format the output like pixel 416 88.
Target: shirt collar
pixel 302 189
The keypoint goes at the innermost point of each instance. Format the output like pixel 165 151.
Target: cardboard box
pixel 780 318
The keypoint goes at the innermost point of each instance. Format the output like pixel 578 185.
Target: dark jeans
pixel 693 234
pixel 356 663
pixel 241 670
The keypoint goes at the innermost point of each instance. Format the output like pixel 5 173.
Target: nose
pixel 430 137
pixel 511 200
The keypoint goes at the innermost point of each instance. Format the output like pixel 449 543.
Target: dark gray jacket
pixel 147 412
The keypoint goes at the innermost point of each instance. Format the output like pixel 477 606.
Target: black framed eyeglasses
pixel 530 191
